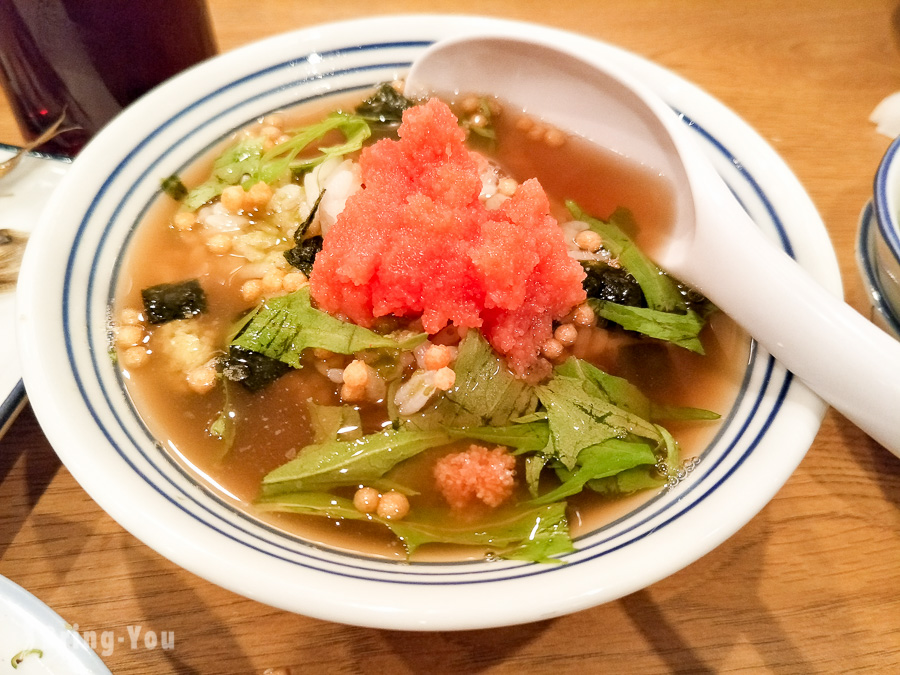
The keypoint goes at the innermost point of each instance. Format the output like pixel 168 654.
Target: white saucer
pixel 45 642
pixel 23 193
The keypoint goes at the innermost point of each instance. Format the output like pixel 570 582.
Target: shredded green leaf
pixel 534 534
pixel 247 163
pixel 331 464
pixel 334 422
pixel 529 437
pixel 229 169
pixel 660 290
pixel 680 329
pixel 601 460
pixel 581 416
pixel 282 327
pixel 17 660
pixel 486 393
pixel 223 427
pixel 624 394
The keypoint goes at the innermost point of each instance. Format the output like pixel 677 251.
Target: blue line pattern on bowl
pixel 885 217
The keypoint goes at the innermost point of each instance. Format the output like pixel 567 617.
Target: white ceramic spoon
pixel 714 245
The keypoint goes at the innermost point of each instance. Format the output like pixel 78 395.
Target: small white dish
pixel 23 193
pixel 871 251
pixel 885 237
pixel 69 277
pixel 43 640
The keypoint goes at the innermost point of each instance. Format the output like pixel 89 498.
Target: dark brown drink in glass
pixel 88 59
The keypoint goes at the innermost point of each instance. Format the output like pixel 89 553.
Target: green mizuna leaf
pixel 581 416
pixel 602 460
pixel 528 437
pixel 230 168
pixel 331 464
pixel 486 392
pixel 680 329
pixel 246 163
pixel 534 534
pixel 624 394
pixel 660 290
pixel 334 422
pixel 312 504
pixel 534 465
pixel 282 327
pixel 284 156
pixel 628 482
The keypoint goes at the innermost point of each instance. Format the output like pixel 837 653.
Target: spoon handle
pixel 844 358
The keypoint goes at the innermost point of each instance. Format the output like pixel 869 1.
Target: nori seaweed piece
pixel 169 302
pixel 303 255
pixel 251 369
pixel 612 284
pixel 173 187
pixel 386 105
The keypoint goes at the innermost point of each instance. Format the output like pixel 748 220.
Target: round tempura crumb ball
pixel 393 505
pixel 184 220
pixel 437 357
pixel 366 499
pixel 444 378
pixel 536 132
pixel 554 138
pixel 219 243
pixel 130 317
pixel 202 379
pixel 251 290
pixel 584 316
pixel 293 281
pixel 566 334
pixel 232 198
pixel 273 280
pixel 524 123
pixel 588 240
pixel 507 186
pixel 552 349
pixel 134 357
pixel 356 374
pixel 470 104
pixel 259 195
pixel 129 335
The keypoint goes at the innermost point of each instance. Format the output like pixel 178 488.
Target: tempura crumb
pixel 476 475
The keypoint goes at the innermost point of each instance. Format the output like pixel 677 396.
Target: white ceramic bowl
pixel 878 245
pixel 69 276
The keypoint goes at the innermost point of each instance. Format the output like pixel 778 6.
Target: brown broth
pixel 271 427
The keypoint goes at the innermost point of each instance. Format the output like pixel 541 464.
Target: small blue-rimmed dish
pixel 873 257
pixel 69 277
pixel 884 240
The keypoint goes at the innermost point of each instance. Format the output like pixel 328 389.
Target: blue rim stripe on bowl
pixel 756 405
pixel 882 210
pixel 868 267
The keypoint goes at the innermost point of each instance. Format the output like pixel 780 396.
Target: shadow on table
pixel 26 470
pixel 169 602
pixel 689 623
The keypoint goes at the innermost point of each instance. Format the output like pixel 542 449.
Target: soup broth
pixel 232 438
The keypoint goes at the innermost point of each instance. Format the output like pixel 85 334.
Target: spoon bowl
pixel 714 246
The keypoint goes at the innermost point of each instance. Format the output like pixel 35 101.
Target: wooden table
pixel 811 584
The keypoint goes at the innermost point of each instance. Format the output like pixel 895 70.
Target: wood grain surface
pixel 810 585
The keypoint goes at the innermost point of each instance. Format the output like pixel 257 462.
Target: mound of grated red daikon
pixel 416 240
